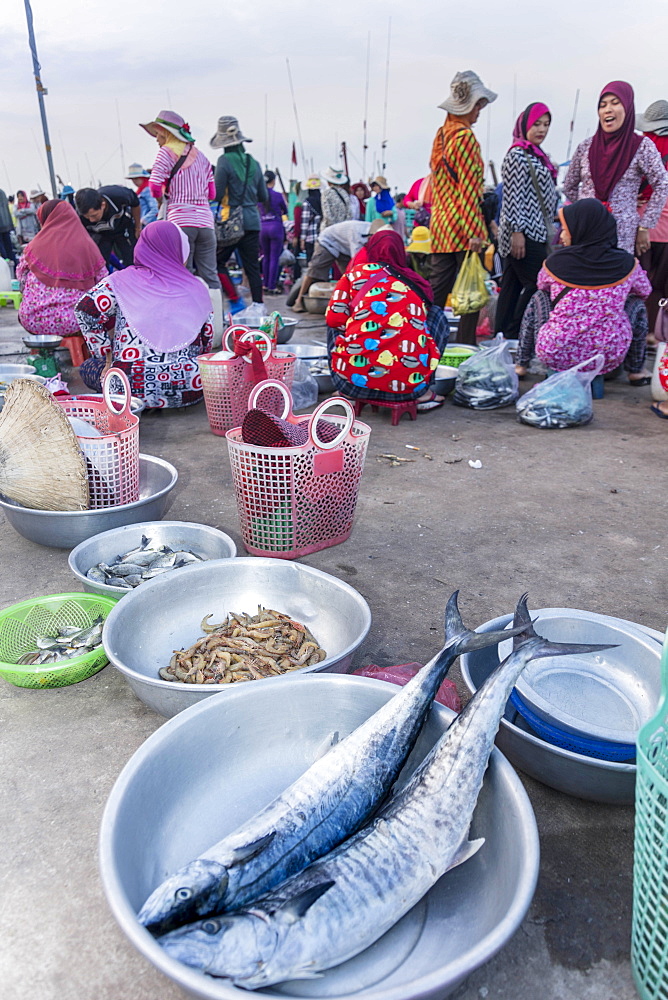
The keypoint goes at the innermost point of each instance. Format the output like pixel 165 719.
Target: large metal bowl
pixel 165 614
pixel 305 352
pixel 205 772
pixel 606 696
pixel 65 529
pixel 201 539
pixel 577 775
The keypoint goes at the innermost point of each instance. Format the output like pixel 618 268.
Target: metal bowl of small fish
pixel 166 615
pixel 152 827
pixel 53 641
pixel 65 529
pixel 135 553
pixel 575 774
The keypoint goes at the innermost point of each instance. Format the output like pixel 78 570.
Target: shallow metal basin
pixel 604 696
pixel 201 539
pixel 578 775
pixel 65 529
pixel 205 772
pixel 165 614
pixel 305 352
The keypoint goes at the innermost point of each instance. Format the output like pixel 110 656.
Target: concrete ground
pixel 574 517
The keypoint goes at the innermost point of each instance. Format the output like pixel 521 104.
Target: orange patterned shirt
pixel 457 188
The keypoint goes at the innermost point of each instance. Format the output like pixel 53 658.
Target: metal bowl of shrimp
pixel 167 614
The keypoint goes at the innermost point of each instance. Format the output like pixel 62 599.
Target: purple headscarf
pixel 164 304
pixel 611 153
pixel 529 117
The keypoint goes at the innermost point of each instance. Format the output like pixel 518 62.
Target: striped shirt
pixel 457 188
pixel 190 189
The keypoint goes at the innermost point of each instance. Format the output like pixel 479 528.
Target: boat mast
pixel 41 93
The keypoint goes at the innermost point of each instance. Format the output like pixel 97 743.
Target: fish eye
pixel 183 893
pixel 211 926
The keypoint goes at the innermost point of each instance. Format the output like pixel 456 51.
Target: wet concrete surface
pixel 574 517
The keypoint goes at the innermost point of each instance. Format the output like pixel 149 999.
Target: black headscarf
pixel 313 198
pixel 593 260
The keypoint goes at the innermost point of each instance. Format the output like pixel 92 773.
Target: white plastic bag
pixel 562 400
pixel 304 387
pixel 487 379
pixel 251 315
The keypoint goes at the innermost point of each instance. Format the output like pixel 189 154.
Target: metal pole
pixel 41 92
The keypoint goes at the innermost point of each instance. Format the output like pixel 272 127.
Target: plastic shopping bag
pixel 487 379
pixel 469 293
pixel 304 387
pixel 562 400
pixel 402 673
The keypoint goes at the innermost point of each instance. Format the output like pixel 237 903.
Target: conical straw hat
pixel 41 463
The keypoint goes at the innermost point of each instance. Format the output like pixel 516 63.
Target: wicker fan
pixel 41 463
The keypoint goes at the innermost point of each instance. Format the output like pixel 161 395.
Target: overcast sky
pixel 109 65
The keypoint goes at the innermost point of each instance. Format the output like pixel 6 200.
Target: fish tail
pixel 467 640
pixel 542 647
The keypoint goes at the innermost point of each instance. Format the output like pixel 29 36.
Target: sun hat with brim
pixel 654 118
pixel 313 182
pixel 381 182
pixel 228 133
pixel 333 176
pixel 36 193
pixel 136 170
pixel 420 241
pixel 172 122
pixel 466 90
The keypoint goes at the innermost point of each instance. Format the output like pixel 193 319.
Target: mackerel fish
pixel 326 804
pixel 344 902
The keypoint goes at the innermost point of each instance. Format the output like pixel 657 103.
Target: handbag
pixel 549 224
pixel 230 230
pixel 661 325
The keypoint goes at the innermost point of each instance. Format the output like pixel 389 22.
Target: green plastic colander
pixel 21 623
pixel 455 354
pixel 649 944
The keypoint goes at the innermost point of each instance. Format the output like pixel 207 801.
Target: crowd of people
pixel 139 270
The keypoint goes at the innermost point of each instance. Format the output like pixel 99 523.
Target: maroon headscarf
pixel 387 247
pixel 529 117
pixel 63 255
pixel 611 153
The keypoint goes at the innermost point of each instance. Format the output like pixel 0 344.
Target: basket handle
pixel 317 413
pixel 106 391
pixel 247 334
pixel 272 383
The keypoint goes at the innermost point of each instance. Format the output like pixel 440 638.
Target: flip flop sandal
pixel 430 404
pixel 640 381
pixel 659 413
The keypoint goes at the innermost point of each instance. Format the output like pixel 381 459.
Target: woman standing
pixel 240 184
pixel 272 233
pixel 27 225
pixel 527 215
pixel 654 125
pixel 381 341
pixel 161 319
pixel 457 171
pixel 60 263
pixel 183 177
pixel 588 299
pixel 335 200
pixel 612 166
pixel 311 216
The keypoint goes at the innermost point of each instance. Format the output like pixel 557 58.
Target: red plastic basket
pixel 293 501
pixel 227 381
pixel 112 459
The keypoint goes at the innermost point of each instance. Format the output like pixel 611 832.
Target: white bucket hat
pixel 335 176
pixel 655 118
pixel 466 90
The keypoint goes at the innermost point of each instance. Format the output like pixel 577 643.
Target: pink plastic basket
pixel 293 501
pixel 112 459
pixel 227 380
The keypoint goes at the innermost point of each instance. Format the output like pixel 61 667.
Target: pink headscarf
pixel 529 117
pixel 164 304
pixel 611 153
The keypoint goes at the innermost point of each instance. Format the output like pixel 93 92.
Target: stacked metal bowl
pixel 571 722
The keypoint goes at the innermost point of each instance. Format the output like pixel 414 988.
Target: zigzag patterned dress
pixel 457 188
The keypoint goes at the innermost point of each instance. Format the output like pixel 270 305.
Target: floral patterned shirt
pixel 162 380
pixel 588 321
pixel 48 310
pixel 645 166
